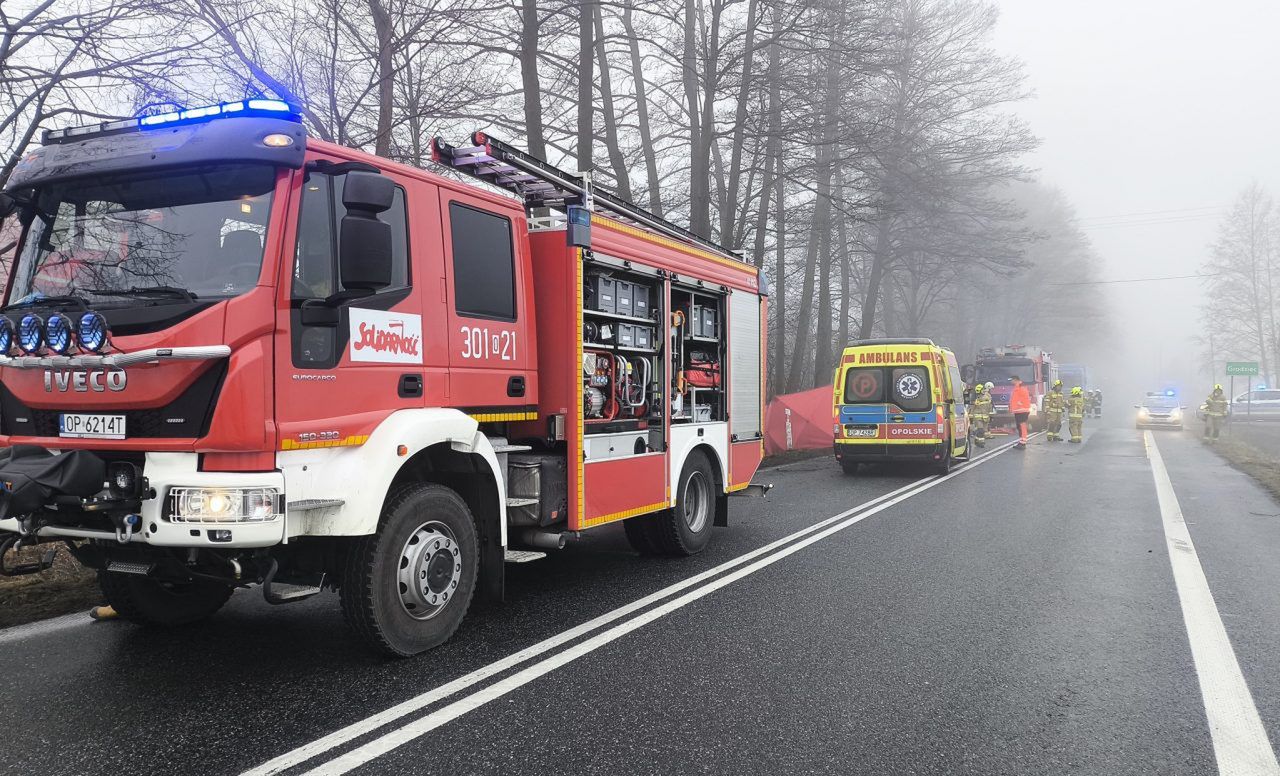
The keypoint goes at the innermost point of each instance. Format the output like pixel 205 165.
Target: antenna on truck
pixel 540 184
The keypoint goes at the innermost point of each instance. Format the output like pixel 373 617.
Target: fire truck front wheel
pixel 406 588
pixel 149 601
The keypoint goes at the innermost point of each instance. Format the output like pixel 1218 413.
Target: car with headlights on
pixel 1159 411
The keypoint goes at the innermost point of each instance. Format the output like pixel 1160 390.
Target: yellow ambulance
pixel 899 400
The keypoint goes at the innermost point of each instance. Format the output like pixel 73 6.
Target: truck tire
pixel 849 467
pixel 151 602
pixel 406 588
pixel 686 529
pixel 943 467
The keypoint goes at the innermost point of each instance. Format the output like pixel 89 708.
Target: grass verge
pixel 1259 464
pixel 67 587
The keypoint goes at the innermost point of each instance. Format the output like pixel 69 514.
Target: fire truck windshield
pixel 192 234
pixel 1005 369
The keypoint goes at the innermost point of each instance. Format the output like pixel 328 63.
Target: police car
pixel 1160 410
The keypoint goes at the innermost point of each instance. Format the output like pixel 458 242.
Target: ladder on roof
pixel 540 184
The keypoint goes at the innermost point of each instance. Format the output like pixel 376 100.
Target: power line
pixel 1148 222
pixel 1149 213
pixel 1134 280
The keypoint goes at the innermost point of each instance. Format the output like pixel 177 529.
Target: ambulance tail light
pixel 942 421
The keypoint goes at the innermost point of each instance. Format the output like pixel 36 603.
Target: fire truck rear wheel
pixel 849 467
pixel 152 602
pixel 406 588
pixel 686 529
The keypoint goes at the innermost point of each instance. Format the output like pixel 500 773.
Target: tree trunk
pixel 846 279
pixel 385 32
pixel 621 177
pixel 532 87
pixel 642 114
pixel 586 92
pixel 729 205
pixel 879 263
pixel 779 301
pixel 699 158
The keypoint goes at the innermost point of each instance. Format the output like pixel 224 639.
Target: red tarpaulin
pixel 799 421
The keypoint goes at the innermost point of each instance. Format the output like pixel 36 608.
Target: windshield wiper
pixel 173 292
pixel 49 301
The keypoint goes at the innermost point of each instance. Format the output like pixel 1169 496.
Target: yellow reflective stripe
pixel 594 521
pixel 498 417
pixel 352 441
pixel 670 243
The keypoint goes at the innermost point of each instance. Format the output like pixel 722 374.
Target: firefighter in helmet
pixel 1075 414
pixel 980 414
pixel 1215 412
pixel 1054 404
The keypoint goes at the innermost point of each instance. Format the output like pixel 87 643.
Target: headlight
pixel 30 333
pixel 92 332
pixel 57 332
pixel 224 505
pixel 1175 415
pixel 1144 412
pixel 6 336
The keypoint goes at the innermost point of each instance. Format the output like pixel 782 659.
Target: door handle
pixel 899 418
pixel 410 386
pixel 515 386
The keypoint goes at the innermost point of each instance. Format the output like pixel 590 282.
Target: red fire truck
pixel 998 366
pixel 232 354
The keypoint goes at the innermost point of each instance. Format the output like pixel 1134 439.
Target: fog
pixel 1153 115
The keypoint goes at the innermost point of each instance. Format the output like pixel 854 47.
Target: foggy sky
pixel 1150 106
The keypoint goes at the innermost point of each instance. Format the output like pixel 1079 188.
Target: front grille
pixel 186 417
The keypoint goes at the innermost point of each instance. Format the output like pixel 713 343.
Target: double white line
pixel 672 598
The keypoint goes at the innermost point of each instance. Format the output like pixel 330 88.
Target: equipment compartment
pixel 697 387
pixel 623 370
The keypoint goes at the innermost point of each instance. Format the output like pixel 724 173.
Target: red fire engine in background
pixel 998 366
pixel 233 354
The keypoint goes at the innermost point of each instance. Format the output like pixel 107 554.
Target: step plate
pixel 523 556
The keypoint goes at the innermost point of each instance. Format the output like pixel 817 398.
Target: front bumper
pixel 165 471
pixel 873 452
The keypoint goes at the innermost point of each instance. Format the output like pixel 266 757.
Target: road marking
pixel 423 725
pixel 1240 742
pixel 43 627
pixel 369 724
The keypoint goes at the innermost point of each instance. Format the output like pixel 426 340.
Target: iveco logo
pixel 96 380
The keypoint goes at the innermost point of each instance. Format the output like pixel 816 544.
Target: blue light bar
pixel 1170 392
pixel 277 108
pixel 253 107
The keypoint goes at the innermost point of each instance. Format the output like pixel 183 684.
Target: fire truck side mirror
pixel 364 247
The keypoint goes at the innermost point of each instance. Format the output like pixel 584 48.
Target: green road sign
pixel 1242 367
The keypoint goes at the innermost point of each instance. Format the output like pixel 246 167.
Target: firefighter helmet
pixel 1217 388
pixel 1077 391
pixel 1057 383
pixel 979 388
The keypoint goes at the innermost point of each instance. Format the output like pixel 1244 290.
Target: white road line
pixel 1240 742
pixel 400 736
pixel 369 724
pixel 43 627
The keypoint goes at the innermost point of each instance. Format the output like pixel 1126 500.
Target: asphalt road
pixel 1029 614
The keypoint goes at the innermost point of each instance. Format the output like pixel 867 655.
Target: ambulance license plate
pixel 77 426
pixel 863 432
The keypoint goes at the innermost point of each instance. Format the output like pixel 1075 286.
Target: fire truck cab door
pixel 343 365
pixel 488 307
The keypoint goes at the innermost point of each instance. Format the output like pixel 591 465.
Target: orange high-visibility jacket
pixel 1020 400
